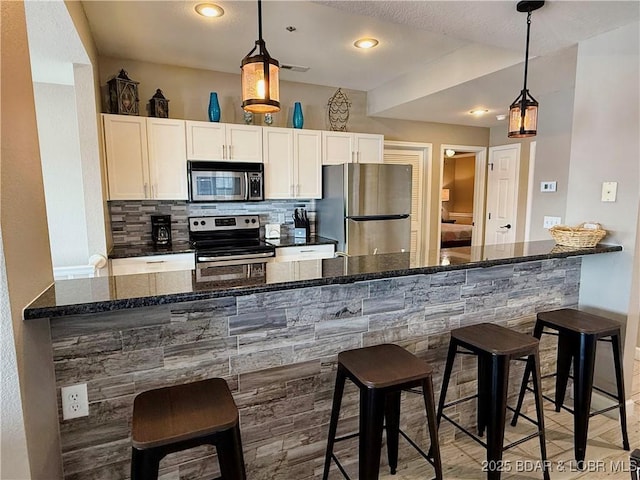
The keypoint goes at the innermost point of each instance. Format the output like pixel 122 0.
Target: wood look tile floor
pixel 462 459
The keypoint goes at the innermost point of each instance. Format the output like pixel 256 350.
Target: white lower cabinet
pixel 298 263
pixel 153 264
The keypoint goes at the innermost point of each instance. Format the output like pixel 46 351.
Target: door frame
pixel 479 192
pixel 425 221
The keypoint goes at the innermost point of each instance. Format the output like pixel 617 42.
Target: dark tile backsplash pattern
pixel 278 352
pixel 131 219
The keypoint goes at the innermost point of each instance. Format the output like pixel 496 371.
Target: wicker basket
pixel 586 234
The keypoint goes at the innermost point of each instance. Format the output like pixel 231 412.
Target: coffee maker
pixel 161 230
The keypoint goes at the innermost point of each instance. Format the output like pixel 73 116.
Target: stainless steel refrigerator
pixel 366 207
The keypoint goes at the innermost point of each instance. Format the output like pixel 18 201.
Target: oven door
pixel 249 273
pixel 217 185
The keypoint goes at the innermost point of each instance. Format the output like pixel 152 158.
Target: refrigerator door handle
pixel 378 217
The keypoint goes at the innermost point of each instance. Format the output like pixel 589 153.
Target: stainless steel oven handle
pixel 224 258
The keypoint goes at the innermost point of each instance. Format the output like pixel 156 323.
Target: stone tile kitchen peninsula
pixel 276 344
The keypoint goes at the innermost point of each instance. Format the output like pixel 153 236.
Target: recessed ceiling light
pixel 449 152
pixel 365 43
pixel 478 112
pixel 209 10
pixel 500 117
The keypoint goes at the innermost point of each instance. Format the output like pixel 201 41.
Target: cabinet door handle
pixel 297 189
pixel 229 152
pixel 146 187
pixel 223 152
pixel 293 192
pixel 156 261
pixel 153 190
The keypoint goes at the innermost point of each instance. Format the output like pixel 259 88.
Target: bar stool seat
pixel 578 333
pixel 171 419
pixel 381 372
pixel 495 347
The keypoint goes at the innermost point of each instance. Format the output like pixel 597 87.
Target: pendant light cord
pixel 260 22
pixel 523 106
pixel 526 54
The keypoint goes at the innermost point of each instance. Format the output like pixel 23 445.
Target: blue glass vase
pixel 214 107
pixel 298 118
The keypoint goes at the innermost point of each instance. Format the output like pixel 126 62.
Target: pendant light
pixel 260 84
pixel 523 112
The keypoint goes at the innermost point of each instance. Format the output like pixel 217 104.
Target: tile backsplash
pixel 131 219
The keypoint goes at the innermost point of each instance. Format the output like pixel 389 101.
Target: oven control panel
pixel 231 222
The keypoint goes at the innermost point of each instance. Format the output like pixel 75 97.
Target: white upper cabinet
pixel 125 142
pixel 343 147
pixel 307 153
pixel 368 148
pixel 145 158
pixel 167 158
pixel 293 163
pixel 224 142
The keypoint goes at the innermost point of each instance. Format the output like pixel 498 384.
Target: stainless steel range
pixel 229 249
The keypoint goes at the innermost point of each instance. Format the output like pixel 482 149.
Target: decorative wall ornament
pixel 338 111
pixel 159 105
pixel 123 95
pixel 268 119
pixel 248 118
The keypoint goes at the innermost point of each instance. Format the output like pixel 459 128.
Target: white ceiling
pixel 436 59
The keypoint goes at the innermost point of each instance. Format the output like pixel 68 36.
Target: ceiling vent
pixel 294 68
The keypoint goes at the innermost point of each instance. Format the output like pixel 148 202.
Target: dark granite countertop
pixel 126 251
pixel 299 242
pixel 102 294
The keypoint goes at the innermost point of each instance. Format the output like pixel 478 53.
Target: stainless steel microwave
pixel 225 181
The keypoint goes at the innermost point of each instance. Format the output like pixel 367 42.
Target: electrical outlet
pixel 75 401
pixel 551 221
pixel 548 186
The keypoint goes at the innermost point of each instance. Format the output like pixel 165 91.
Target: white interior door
pixel 502 194
pixel 415 158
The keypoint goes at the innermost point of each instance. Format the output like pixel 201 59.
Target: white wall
pixel 62 173
pixel 13 441
pixel 27 261
pixel 605 146
pixel 553 146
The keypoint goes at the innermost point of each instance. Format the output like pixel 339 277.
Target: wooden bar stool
pixel 578 333
pixel 171 419
pixel 495 347
pixel 381 373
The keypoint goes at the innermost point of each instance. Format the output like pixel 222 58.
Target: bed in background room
pixel 455 235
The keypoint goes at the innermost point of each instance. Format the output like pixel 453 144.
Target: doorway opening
pixel 462 195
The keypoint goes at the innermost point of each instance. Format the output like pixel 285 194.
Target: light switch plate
pixel 609 191
pixel 548 186
pixel 551 221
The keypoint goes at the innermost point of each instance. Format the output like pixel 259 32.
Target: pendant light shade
pixel 260 77
pixel 523 112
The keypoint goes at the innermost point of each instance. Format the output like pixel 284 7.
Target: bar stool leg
pixel 230 455
pixel 537 333
pixel 434 450
pixel 497 414
pixel 335 414
pixel 371 422
pixel 583 366
pixel 565 351
pixel 484 393
pixel 144 464
pixel 534 361
pixel 617 360
pixel 392 416
pixel 451 354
